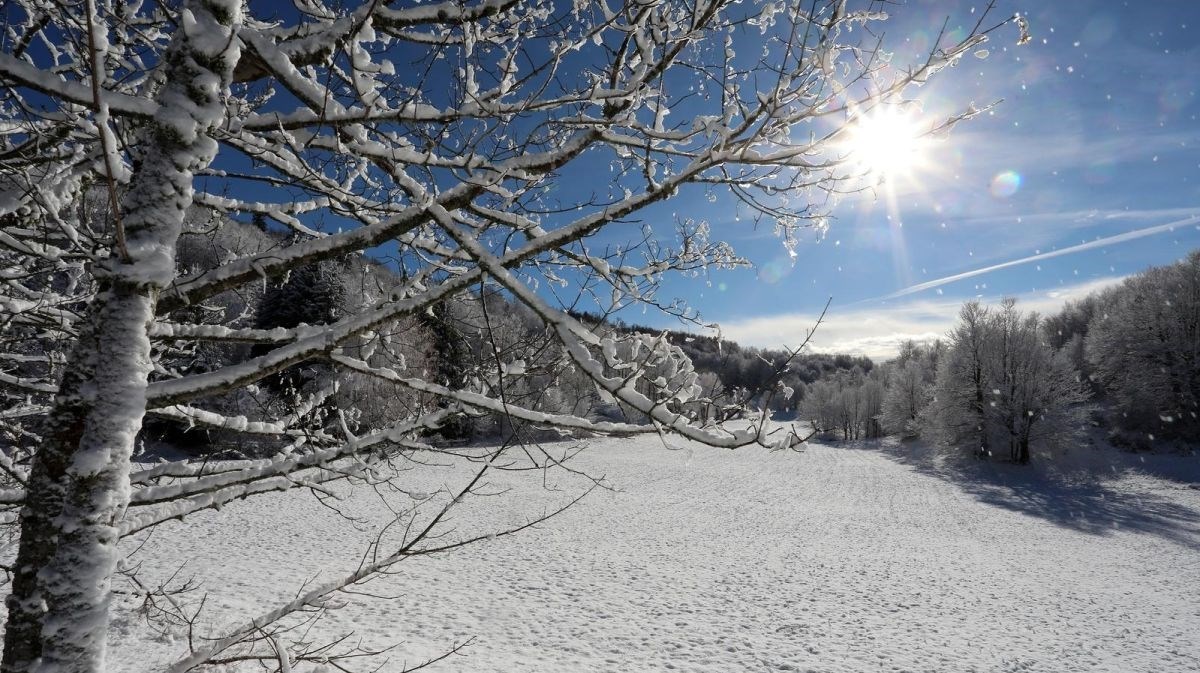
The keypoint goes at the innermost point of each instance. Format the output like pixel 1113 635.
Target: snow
pixel 16 70
pixel 858 558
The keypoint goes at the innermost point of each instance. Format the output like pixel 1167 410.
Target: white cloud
pixel 877 331
pixel 1050 301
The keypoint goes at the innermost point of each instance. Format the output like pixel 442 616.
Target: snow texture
pixel 838 559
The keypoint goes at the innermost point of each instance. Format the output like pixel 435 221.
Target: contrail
pixel 1098 243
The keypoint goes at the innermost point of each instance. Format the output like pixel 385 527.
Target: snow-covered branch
pixel 317 240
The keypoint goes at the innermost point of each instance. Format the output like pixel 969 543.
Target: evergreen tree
pixel 314 294
pixel 451 356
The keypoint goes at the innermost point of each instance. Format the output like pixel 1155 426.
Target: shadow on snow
pixel 1095 491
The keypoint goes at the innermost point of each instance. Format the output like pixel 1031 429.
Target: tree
pixel 1036 393
pixel 820 406
pixel 960 393
pixel 872 395
pixel 1000 382
pixel 450 362
pixel 850 402
pixel 313 294
pixel 906 396
pixel 1144 344
pixel 466 166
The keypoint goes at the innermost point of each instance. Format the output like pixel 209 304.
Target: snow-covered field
pixel 835 559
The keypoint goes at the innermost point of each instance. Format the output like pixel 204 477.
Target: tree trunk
pixel 43 505
pixel 59 609
pixel 980 409
pixel 79 477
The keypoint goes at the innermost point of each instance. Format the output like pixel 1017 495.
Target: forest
pixel 1001 383
pixel 1004 382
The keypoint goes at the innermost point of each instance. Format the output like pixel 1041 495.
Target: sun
pixel 887 142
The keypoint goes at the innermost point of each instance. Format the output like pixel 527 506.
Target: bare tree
pixel 1143 340
pixel 1035 393
pixel 456 138
pixel 851 402
pixel 1029 392
pixel 906 396
pixel 960 398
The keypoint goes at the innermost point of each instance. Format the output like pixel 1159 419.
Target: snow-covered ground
pixel 836 559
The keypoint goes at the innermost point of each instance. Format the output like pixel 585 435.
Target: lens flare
pixel 775 270
pixel 1005 184
pixel 1100 172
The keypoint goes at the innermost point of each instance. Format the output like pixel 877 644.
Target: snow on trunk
pixel 79 486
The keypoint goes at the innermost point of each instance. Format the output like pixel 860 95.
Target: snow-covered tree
pixel 1001 383
pixel 1035 392
pixel 1143 342
pixel 850 403
pixel 960 398
pixel 907 394
pixel 872 395
pixel 820 408
pixel 460 140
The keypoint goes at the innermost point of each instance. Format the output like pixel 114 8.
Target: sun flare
pixel 887 142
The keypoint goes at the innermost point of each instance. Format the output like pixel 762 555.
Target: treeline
pixel 1002 383
pixel 1138 346
pixel 1006 383
pixel 458 344
pixel 477 341
pixel 772 378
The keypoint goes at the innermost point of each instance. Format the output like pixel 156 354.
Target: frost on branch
pixel 452 164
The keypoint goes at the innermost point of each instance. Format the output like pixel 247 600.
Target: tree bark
pixel 79 478
pixel 44 504
pixel 68 528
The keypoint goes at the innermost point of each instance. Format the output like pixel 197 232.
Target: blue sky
pixel 1088 171
pixel 1099 121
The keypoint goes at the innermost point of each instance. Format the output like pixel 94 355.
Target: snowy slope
pixel 836 559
